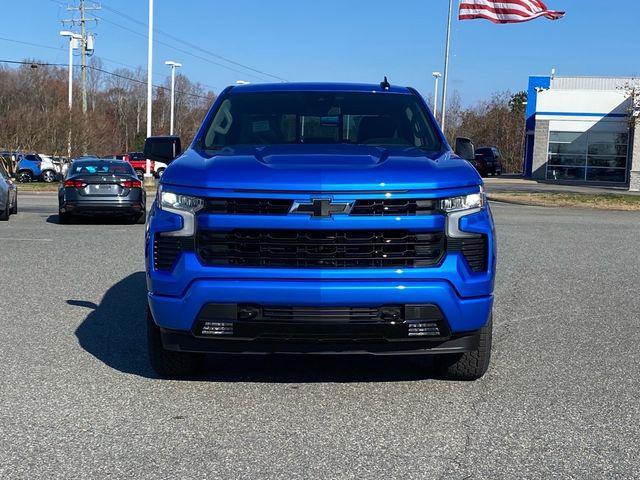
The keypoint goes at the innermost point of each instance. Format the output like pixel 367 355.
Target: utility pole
pixel 86 43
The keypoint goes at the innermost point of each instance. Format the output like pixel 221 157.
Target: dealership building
pixel 581 129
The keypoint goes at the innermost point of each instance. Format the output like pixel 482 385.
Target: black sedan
pixel 98 187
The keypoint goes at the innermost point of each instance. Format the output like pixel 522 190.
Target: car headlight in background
pixel 178 201
pixel 463 202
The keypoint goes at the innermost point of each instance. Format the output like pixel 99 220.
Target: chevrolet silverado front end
pixel 320 218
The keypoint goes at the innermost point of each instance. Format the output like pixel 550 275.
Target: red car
pixel 139 163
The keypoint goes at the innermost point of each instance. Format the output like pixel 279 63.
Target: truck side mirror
pixel 465 148
pixel 162 148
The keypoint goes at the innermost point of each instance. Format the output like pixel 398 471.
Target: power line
pixel 129 31
pixel 186 52
pixel 107 72
pixel 196 47
pixel 144 82
pixel 116 62
pixel 30 44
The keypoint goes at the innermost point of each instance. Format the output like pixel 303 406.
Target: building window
pixel 588 156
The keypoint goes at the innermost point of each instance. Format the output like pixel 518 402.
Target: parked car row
pixel 90 187
pixel 35 167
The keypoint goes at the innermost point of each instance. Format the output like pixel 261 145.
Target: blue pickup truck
pixel 319 218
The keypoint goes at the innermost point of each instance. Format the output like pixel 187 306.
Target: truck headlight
pixel 178 201
pixel 463 202
pixel 184 205
pixel 458 207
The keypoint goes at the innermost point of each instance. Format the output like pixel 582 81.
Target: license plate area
pixel 103 189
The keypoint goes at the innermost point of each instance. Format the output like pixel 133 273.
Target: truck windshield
pixel 271 118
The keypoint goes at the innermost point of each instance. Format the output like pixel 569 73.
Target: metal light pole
pixel 173 66
pixel 149 85
pixel 437 76
pixel 73 41
pixel 445 78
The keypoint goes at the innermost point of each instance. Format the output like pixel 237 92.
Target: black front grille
pixel 474 250
pixel 320 248
pixel 248 206
pixel 166 251
pixel 394 207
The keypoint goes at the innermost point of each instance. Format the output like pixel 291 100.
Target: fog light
pixel 217 328
pixel 247 312
pixel 391 314
pixel 423 329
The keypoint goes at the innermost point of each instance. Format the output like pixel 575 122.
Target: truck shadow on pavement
pixel 115 333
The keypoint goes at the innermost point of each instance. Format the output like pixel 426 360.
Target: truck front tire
pixel 469 365
pixel 168 363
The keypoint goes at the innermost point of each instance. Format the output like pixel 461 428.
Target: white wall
pixel 615 125
pixel 597 103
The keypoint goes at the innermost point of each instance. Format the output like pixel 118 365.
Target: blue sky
pixel 343 40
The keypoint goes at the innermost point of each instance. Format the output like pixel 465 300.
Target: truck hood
pixel 314 168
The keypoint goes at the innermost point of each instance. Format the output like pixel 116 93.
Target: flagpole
pixel 445 77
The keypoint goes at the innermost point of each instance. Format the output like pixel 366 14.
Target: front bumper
pixel 181 313
pixel 250 328
pixel 185 342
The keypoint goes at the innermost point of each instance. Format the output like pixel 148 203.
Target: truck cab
pixel 319 218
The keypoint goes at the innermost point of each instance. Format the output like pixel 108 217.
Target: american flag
pixel 506 11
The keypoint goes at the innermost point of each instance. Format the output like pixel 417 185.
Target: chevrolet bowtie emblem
pixel 320 207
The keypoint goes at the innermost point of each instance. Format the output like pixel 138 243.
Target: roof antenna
pixel 385 85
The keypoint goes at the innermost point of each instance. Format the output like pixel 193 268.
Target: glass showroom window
pixel 588 156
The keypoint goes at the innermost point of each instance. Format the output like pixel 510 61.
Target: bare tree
pixel 498 122
pixel 34 111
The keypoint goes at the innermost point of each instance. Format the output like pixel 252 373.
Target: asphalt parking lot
pixel 78 398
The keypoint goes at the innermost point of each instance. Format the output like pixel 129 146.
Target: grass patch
pixel 602 201
pixel 38 187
